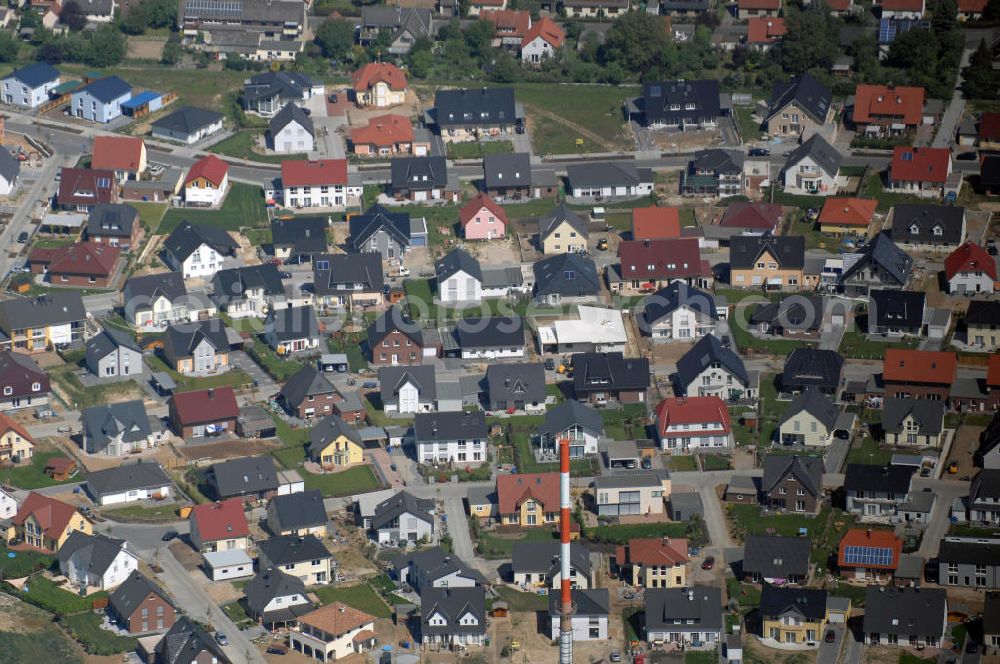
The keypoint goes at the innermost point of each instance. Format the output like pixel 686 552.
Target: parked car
pixel 369 384
pixel 616 656
pixel 709 563
pixel 830 637
pixel 222 639
pixel 647 463
pixel 22 237
pixel 285 275
pixel 169 535
pixel 759 152
pixel 550 364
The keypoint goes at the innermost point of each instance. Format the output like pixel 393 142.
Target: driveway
pixel 265 384
pixel 835 455
pixel 715 521
pixel 953 114
pixel 461 540
pixel 829 653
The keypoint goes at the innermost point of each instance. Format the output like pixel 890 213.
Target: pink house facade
pixel 483 219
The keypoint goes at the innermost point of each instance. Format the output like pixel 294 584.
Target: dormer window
pixel 35 387
pixel 937 230
pixel 8 390
pixel 914 229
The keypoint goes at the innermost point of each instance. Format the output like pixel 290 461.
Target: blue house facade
pixel 101 101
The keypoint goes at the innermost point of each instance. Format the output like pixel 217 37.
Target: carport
pixel 623 454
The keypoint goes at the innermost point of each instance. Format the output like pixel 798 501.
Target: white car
pixel 19 269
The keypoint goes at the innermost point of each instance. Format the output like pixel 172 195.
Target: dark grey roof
pixel 522 381
pixel 788 250
pixel 700 604
pixel 968 551
pixel 307 381
pixel 808 471
pixel 35 75
pixel 474 107
pixel 269 584
pixel 390 379
pixel 872 477
pixel 184 642
pixel 458 260
pixel 432 427
pixel 245 475
pixel 127 477
pixel 232 285
pixel 793 313
pixel 345 270
pixel 507 170
pixel 991 614
pixel 127 597
pixel 418 21
pixel 883 253
pixel 810 95
pixel 990 438
pixel 187 120
pixel 96 552
pixel 112 219
pixel 10 167
pixel 608 371
pixel 180 341
pixel 418 173
pixel 668 6
pixel 394 319
pixel 109 340
pixel 928 413
pixel 287 115
pixel 590 602
pixel 718 161
pixel 568 275
pixel 567 414
pixel 287 85
pixel 294 511
pixel 810 366
pixel 187 237
pixel 402 503
pixel 983 312
pixel 167 284
pixel 816 404
pixel 375 219
pixel 916 224
pixel 606 174
pixel 985 485
pixel 707 351
pixel 543 556
pixel 810 603
pixel 493 332
pixel 776 557
pixel 452 604
pixel 128 419
pixel 658 98
pixel 327 430
pixel 919 612
pixel 292 323
pixel 291 549
pixel 436 563
pixel 550 222
pixel 302 235
pixel 896 308
pixel 822 153
pixel 53 308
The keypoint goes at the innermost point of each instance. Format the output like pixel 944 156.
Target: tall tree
pixel 107 47
pixel 811 42
pixel 637 42
pixel 979 79
pixel 72 15
pixel 335 38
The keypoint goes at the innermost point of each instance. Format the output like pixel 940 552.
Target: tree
pixel 636 42
pixel 72 15
pixel 149 14
pixel 107 47
pixel 335 39
pixel 811 42
pixel 980 82
pixel 990 13
pixel 945 17
pixel 171 54
pixel 8 47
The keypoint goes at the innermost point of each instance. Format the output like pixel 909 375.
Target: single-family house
pixel 81 189
pixel 197 348
pixel 128 483
pixel 684 617
pixel 206 182
pixel 921 374
pixel 482 219
pixel 765 31
pixel 115 224
pixel 896 313
pixel 608 181
pixel 969 562
pixel 379 85
pixel 118 429
pixel 631 494
pixel 714 172
pixel 793 483
pixel 847 216
pixel 797 107
pixel 767 261
pixel 528 499
pixel 454 617
pixel 303 557
pixel 511 177
pixel 333 444
pixel 321 183
pixel 711 369
pixel 652 562
pixel 882 264
pixel 187 125
pixel 909 421
pixel 113 353
pixel 23 382
pixel 590 614
pixel 656 223
pixel 811 367
pixel 247 291
pixel 928 227
pixel 905 616
pixel 197 250
pixel 435 568
pixel 29 86
pixel 421 179
pixel 208 412
pixel 580 424
pixel 812 168
pixel 348 280
pixel 887 110
pixel 267 93
pixel 919 171
pixel 648 265
pixel 682 104
pixel 291 130
pixel 46 524
pixel 602 377
pixel 387 135
pixel 16 446
pixel 186 641
pixel 811 420
pixel 678 313
pixel 869 555
pixel 300 239
pixel 125 155
pixel 275 599
pixel 776 559
pixel 156 300
pixel 292 329
pixel 794 316
pixel 299 514
pixel 85 264
pixel 535 564
pixel 970 269
pixel 562 231
pixel 252 479
pixel 982 323
pixel 139 605
pixel 333 631
pixel 451 438
pixel 96 561
pixel 490 338
pixel 219 526
pixel 876 492
pixel 389 234
pixel 792 615
pixel 516 387
pixel 308 394
pixel 100 100
pixel 395 339
pixel 566 278
pixel 542 41
pixel 686 425
pixel 402 519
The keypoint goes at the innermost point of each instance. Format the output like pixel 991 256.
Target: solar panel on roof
pixel 868 555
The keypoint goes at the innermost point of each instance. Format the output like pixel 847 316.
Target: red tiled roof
pixel 87 186
pixel 972 6
pixel 379 72
pixel 839 5
pixel 758 216
pixel 118 153
pixel 882 539
pixel 7 423
pixel 60 465
pixel 338 618
pixel 211 168
pixel 989 126
pixel 765 30
pixel 513 490
pixel 52 515
pixel 653 551
pixel 83 258
pixel 672 257
pixel 508 22
pixel 919 366
pixel 548 30
pixel 903 5
pixel 204 406
pixel 879 102
pixel 759 4
pixel 384 131
pixel 219 521
pixel 655 223
pixel 920 164
pixel 970 257
pixel 993 371
pixel 481 201
pixel 691 410
pixel 848 211
pixel 302 173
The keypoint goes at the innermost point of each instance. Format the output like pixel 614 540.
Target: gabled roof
pixel 117 153
pixel 418 173
pixel 270 584
pixel 691 410
pixel 127 597
pixel 403 502
pixel 394 320
pixel 94 553
pixel 870 538
pixel 970 257
pixel 79 259
pixel 455 261
pixel 807 470
pixel 920 164
pixel 765 29
pixel 524 381
pixel 187 120
pixel 546 29
pixel 586 602
pixel 291 549
pixel 294 511
pixel 883 479
pixel 109 340
pixel 128 477
pixel 379 72
pixel 489 333
pixel 421 376
pixel 233 284
pixel 550 222
pixel 452 604
pixel 874 103
pixel 36 74
pixel 513 490
pixel 152 286
pixel 655 223
pixel 287 115
pixel 205 406
pixel 219 521
pixel 181 341
pixel 470 209
pixel 375 219
pixel 303 235
pixel 919 366
pixel 431 427
pixel 52 515
pixel 816 404
pixel 787 250
pixel 983 312
pixel 754 216
pixel 698 608
pixel 470 107
pixel 928 414
pixel 543 556
pixel 606 174
pixel 795 313
pixel 653 551
pixel 107 89
pixel 10 167
pixel 569 413
pixel 717 162
pixel 209 168
pixel 507 170
pixel 709 350
pixel 609 371
pixel 848 211
pixel 19 372
pixel 289 85
pixel 659 96
pixel 662 259
pixel 86 186
pixel 292 323
pixel 347 270
pixel 313 172
pixel 383 131
pixel 896 308
pixel 808 93
pixel 678 294
pixel 245 476
pixel 112 219
pixel 8 424
pixel 989 126
pixel 185 641
pixel 812 367
pixel 188 237
pixel 509 23
pixel 329 429
pixel 568 275
pixel 886 254
pixel 776 557
pixel 822 153
pixel 307 381
pixel 993 371
pixel 810 603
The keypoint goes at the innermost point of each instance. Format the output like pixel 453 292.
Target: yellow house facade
pixel 46 523
pixel 338 453
pixel 16 446
pixel 563 238
pixel 794 615
pixel 766 270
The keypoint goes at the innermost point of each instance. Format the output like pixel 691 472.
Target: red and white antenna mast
pixel 566 605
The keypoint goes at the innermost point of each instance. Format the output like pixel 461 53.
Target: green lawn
pixel 492 545
pixel 682 462
pixel 747 594
pixel 349 343
pixel 41 635
pixel 166 512
pixel 622 534
pixel 243 207
pixel 86 628
pixel 748 127
pixel 715 462
pixel 279 368
pixel 521 601
pixel 85 397
pixel 478 150
pixel 32 476
pixel 747 520
pixel 360 479
pixel 237 613
pixel 518 432
pixel 872 188
pixel 232 378
pixel 866 450
pixel 150 214
pixel 362 597
pixel 597 108
pixel 701 658
pixel 627 423
pixel 854 593
pixel 771 408
pixel 857 346
pixel 240 145
pixel 744 339
pixel 47 595
pixel 23 563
